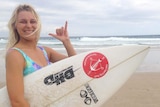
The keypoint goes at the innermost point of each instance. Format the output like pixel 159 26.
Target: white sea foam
pixel 93 41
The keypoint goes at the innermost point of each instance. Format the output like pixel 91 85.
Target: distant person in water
pixel 23 56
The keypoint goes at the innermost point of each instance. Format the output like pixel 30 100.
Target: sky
pixel 91 17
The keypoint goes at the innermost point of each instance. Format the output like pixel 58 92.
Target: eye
pixel 33 21
pixel 23 22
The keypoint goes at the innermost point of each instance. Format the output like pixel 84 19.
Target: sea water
pixel 91 42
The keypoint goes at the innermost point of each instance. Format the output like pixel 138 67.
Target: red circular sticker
pixel 95 65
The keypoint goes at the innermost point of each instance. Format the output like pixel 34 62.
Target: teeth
pixel 28 31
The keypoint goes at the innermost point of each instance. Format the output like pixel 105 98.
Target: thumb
pixel 53 35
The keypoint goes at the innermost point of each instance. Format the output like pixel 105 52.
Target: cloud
pixel 132 11
pixel 93 17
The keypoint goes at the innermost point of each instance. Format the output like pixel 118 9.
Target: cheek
pixel 35 26
pixel 18 29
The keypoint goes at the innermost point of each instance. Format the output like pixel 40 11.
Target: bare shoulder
pixel 12 53
pixel 53 55
pixel 49 50
pixel 13 56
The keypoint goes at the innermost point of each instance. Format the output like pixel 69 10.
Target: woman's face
pixel 26 24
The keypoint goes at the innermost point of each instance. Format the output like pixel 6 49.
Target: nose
pixel 28 24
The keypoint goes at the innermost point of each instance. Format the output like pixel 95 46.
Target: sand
pixel 2 69
pixel 141 90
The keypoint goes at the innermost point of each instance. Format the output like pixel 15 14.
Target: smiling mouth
pixel 29 31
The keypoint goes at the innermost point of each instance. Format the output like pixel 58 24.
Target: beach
pixel 141 90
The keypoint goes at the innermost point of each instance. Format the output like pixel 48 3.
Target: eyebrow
pixel 26 19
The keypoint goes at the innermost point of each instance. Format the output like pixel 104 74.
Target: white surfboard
pixel 86 79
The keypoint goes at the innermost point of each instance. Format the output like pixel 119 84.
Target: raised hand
pixel 61 33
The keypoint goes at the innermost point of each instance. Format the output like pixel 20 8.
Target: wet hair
pixel 13 34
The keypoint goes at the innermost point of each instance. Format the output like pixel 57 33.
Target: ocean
pixel 92 42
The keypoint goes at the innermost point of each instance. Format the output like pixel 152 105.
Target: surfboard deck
pixel 86 79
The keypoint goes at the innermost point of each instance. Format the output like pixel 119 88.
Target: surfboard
pixel 86 79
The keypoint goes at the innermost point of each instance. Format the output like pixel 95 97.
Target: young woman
pixel 24 56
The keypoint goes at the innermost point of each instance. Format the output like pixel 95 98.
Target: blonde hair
pixel 13 34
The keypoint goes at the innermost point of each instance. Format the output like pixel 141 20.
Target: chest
pixel 39 57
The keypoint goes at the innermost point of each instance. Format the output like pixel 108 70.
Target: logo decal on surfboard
pixel 95 65
pixel 60 77
pixel 85 94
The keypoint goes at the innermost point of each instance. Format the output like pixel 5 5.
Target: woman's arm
pixel 14 78
pixel 62 35
pixel 69 48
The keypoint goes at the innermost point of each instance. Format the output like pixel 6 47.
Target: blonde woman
pixel 24 56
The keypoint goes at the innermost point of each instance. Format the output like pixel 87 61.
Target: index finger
pixel 66 25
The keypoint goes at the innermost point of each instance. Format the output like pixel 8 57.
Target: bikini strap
pixel 45 53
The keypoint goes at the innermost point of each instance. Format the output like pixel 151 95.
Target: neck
pixel 31 45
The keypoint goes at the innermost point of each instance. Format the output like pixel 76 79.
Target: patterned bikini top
pixel 31 66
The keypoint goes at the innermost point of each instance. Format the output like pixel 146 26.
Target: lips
pixel 29 31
